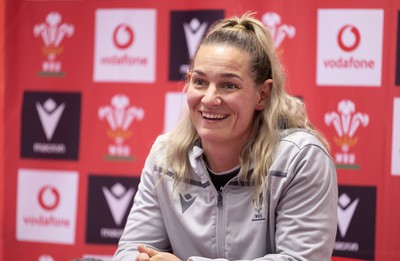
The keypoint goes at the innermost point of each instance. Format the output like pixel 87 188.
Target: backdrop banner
pixel 89 85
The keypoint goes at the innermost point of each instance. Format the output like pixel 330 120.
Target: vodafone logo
pixel 47 206
pixel 123 36
pixel 349 47
pixel 48 198
pixel 129 53
pixel 348 38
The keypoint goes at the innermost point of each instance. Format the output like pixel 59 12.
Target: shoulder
pixel 158 150
pixel 298 146
pixel 160 143
pixel 299 139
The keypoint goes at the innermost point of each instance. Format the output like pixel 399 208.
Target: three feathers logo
pixel 119 116
pixel 52 32
pixel 346 122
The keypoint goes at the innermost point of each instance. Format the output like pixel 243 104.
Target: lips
pixel 214 116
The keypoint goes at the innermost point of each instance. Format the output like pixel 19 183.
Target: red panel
pixel 2 125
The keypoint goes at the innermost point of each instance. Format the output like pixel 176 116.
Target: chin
pixel 210 136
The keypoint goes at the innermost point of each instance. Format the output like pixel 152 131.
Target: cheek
pixel 193 98
pixel 245 108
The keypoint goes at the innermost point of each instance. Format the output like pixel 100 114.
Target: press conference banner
pixel 90 84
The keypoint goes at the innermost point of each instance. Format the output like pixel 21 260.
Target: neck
pixel 222 158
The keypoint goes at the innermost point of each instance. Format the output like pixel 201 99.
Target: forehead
pixel 221 49
pixel 222 57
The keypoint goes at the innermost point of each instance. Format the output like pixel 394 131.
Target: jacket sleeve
pixel 145 223
pixel 306 207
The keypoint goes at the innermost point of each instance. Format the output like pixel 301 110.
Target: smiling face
pixel 222 95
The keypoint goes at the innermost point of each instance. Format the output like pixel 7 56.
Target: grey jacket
pixel 297 219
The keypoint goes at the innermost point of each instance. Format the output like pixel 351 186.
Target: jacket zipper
pixel 220 225
pixel 219 202
pixel 220 220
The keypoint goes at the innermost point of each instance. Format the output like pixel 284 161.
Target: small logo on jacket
pixel 186 201
pixel 258 210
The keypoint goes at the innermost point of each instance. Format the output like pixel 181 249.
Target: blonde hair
pixel 282 111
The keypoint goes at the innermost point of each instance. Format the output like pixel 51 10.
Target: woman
pixel 245 175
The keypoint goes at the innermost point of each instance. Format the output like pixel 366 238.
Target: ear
pixel 264 93
pixel 187 80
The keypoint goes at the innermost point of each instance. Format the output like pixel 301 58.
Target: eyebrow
pixel 224 75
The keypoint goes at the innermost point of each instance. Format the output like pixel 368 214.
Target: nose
pixel 211 96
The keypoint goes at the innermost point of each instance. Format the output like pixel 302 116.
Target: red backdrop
pixel 1 120
pixel 90 84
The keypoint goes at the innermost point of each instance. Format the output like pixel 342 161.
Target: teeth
pixel 214 116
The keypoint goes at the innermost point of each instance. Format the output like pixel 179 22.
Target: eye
pixel 230 86
pixel 197 82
